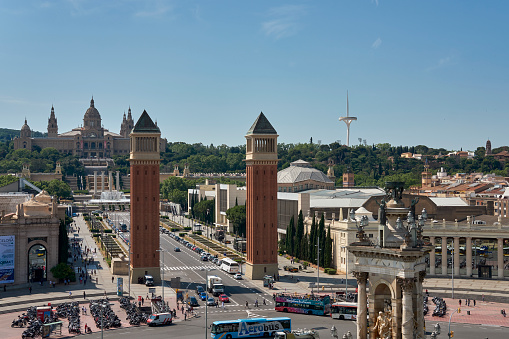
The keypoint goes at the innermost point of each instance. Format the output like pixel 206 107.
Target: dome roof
pixel 25 126
pixel 92 112
pixel 301 171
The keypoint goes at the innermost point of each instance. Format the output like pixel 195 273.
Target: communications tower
pixel 348 120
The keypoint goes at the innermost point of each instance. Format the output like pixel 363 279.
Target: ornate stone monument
pixel 394 269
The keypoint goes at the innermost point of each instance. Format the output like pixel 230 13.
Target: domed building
pixel 91 140
pixel 300 176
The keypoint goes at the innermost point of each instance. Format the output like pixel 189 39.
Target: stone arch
pixel 37 261
pixel 382 293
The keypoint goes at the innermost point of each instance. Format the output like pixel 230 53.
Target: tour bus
pixel 307 304
pixel 249 328
pixel 229 265
pixel 344 310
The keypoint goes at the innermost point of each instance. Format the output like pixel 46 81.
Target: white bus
pixel 344 310
pixel 229 265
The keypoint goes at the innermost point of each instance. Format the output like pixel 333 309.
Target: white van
pixel 158 319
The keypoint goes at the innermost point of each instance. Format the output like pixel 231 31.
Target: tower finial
pixel 92 102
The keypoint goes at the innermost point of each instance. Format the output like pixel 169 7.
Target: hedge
pixel 99 218
pixel 182 235
pixel 108 231
pixel 197 232
pixel 331 271
pixel 187 228
pixel 174 229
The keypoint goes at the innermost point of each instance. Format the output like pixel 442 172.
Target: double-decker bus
pixel 344 310
pixel 249 328
pixel 229 265
pixel 307 304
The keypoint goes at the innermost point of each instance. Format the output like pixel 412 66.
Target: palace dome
pixel 92 113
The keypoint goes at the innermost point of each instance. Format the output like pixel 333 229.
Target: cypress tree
pixel 299 236
pixel 312 242
pixel 327 255
pixel 321 234
pixel 304 255
pixel 290 238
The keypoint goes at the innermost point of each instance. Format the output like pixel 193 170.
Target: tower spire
pixel 348 120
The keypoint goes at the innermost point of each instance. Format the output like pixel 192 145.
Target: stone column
pixel 396 318
pixel 444 255
pixel 500 257
pixel 407 317
pixel 362 309
pixel 110 181
pixel 102 181
pixel 95 183
pixel 432 257
pixel 456 256
pixel 420 302
pixel 118 181
pixel 468 249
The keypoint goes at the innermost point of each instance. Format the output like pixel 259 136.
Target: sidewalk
pixel 18 298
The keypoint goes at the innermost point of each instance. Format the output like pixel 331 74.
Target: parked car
pixel 224 298
pixel 204 258
pixel 237 276
pixel 177 249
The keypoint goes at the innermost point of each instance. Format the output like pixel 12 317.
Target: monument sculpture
pixel 394 269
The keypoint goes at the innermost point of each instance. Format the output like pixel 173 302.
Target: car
pixel 204 258
pixel 177 249
pixel 211 301
pixel 203 295
pixel 224 298
pixel 237 276
pixel 191 301
pixel 199 289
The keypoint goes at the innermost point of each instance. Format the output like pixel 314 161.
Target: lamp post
pixel 346 271
pixel 207 298
pixel 162 276
pixel 103 306
pixel 318 265
pixel 130 253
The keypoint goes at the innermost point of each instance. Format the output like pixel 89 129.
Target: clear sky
pixel 417 72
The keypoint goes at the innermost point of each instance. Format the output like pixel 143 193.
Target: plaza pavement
pixel 17 298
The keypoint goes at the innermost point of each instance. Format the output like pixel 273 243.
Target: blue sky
pixel 417 72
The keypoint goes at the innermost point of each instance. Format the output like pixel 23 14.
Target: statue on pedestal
pixel 383 325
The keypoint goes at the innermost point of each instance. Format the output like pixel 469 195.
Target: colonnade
pixel 468 256
pixel 101 188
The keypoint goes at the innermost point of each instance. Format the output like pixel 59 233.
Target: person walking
pixel 30 289
pixel 460 302
pixel 247 304
pixel 84 295
pixel 112 279
pixel 474 302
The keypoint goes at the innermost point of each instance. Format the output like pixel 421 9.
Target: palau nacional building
pixel 91 140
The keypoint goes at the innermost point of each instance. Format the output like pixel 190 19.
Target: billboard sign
pixel 6 259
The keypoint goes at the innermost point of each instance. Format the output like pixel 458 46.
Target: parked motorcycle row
pixel 104 316
pixel 440 307
pixel 134 315
pixel 34 325
pixel 71 311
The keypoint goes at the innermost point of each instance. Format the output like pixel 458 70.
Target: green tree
pixel 327 253
pixel 312 242
pixel 204 210
pixel 237 216
pixel 62 271
pixel 299 235
pixel 290 241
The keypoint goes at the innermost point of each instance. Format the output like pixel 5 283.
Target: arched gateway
pixel 393 269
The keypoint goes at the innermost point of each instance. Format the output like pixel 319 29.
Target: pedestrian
pixel 112 279
pixel 183 309
pixel 70 294
pixel 142 300
pixel 427 293
pixel 222 304
pixel 247 305
pixel 86 328
pixel 460 302
pixel 483 298
pixel 139 303
pixel 474 302
pixel 147 296
pixel 30 289
pixel 185 316
pixel 84 295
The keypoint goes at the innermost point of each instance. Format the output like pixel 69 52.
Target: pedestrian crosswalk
pixel 188 268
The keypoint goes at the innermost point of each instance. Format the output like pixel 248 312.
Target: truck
pixel 215 285
pixel 148 280
pixel 297 334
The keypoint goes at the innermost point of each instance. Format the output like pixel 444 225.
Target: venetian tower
pixel 261 203
pixel 145 158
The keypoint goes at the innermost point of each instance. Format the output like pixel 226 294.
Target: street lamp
pixel 207 298
pixel 346 272
pixel 103 306
pixel 162 276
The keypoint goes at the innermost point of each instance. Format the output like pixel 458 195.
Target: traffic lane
pixel 239 291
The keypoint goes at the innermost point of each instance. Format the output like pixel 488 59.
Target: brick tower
pixel 261 204
pixel 145 160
